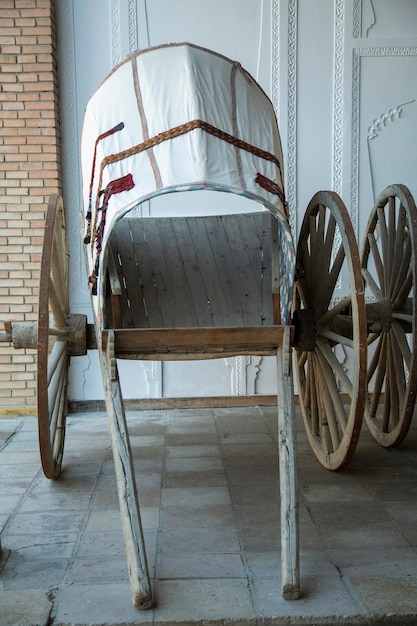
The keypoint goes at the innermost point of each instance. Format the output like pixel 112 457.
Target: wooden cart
pixel 221 282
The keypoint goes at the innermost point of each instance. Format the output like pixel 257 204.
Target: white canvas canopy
pixel 177 118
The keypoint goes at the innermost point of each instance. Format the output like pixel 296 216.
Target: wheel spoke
pixel 55 304
pixel 404 291
pixel 383 233
pixel 57 354
pixel 393 416
pixel 336 310
pixel 403 274
pixel 334 393
pixel 337 338
pixel 336 366
pixel 375 357
pixel 402 342
pixel 376 257
pixel 311 399
pixel 333 277
pixel 56 400
pixel 369 280
pixel 380 376
pixel 398 253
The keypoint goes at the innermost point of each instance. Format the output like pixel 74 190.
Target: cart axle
pixel 78 335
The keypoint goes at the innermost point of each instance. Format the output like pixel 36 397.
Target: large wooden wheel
pixel 331 318
pixel 53 358
pixel 389 269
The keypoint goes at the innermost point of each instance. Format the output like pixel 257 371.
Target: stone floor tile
pixel 321 597
pixel 192 451
pixel 23 571
pixel 267 564
pixel 191 438
pixel 387 596
pixel 195 496
pixel 27 607
pixel 206 601
pixel 45 522
pixel 48 543
pixel 97 570
pixel 341 513
pixel 190 566
pixel 376 562
pixel 104 604
pixel 252 493
pixel 194 464
pixel 371 535
pixel 209 478
pixel 199 540
pixel 63 500
pixel 93 544
pixel 211 515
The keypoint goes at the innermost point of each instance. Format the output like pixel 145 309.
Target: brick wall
pixel 29 173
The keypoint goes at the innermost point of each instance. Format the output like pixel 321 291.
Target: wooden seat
pixel 192 272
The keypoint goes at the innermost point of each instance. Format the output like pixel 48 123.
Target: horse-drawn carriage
pixel 222 278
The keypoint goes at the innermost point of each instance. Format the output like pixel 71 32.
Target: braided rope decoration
pixel 181 130
pixel 125 183
pixel 88 217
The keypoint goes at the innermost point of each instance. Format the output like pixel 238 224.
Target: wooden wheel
pixel 389 271
pixel 331 347
pixel 53 358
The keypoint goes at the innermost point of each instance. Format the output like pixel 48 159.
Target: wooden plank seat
pixel 191 272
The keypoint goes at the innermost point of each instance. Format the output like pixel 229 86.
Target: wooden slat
pixel 227 269
pixel 172 342
pixel 131 302
pixel 145 281
pixel 209 273
pixel 245 288
pixel 192 273
pixel 195 271
pixel 179 293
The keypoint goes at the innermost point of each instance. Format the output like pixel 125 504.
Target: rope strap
pixel 270 186
pixel 125 183
pixel 111 131
pixel 181 130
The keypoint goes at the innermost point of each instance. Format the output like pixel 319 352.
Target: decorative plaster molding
pixel 358 53
pixel 133 27
pixel 357 19
pixel 115 32
pixel 292 113
pixel 389 116
pixel 354 187
pixel 276 43
pixel 338 108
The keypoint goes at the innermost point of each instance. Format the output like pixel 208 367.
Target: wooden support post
pixel 126 484
pixel 290 577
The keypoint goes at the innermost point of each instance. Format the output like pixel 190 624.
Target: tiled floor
pixel 208 487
